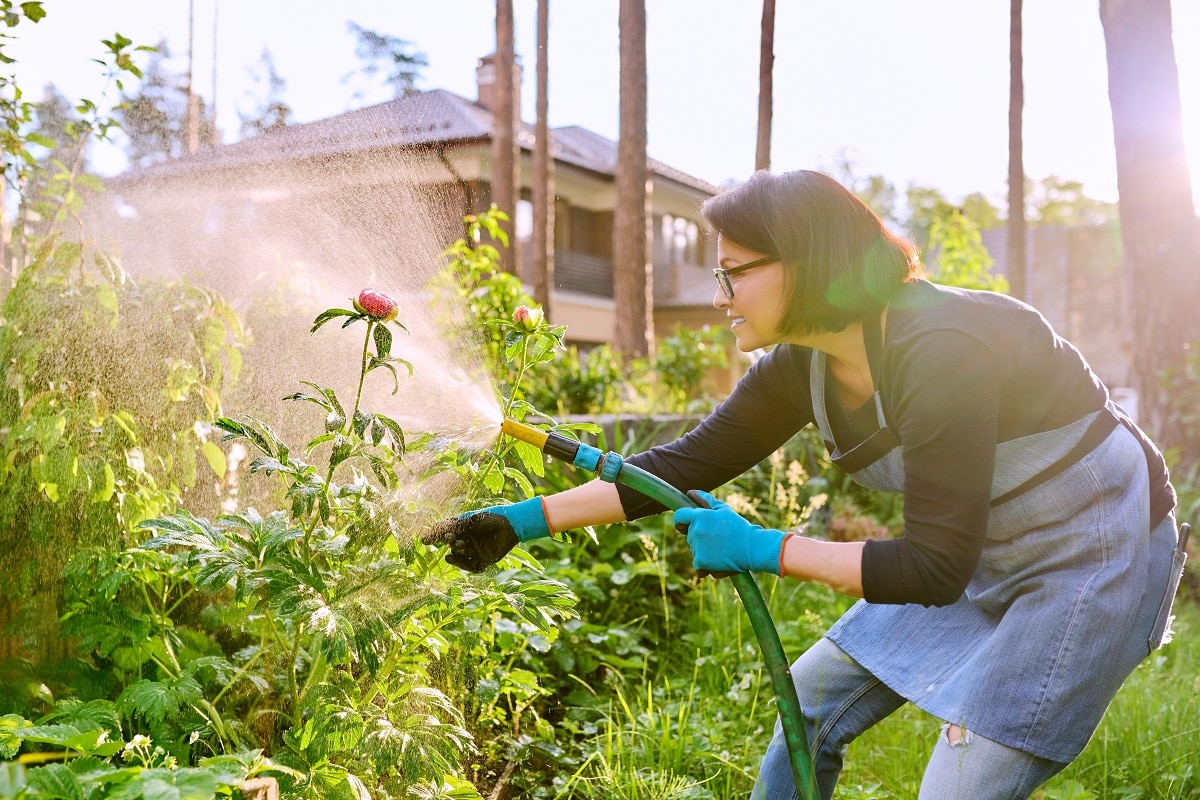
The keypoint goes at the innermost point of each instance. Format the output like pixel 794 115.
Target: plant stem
pixel 347 428
pixel 293 655
pixel 245 668
pixel 499 449
pixel 362 373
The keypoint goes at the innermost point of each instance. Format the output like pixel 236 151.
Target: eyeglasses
pixel 723 275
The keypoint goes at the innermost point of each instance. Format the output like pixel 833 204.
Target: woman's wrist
pixel 593 503
pixel 837 565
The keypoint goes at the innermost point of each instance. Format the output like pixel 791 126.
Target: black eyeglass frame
pixel 723 275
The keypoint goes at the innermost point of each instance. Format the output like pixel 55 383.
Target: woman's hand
pixel 723 541
pixel 479 539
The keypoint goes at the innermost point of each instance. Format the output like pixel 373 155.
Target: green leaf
pixel 106 296
pixel 37 138
pixel 47 734
pixel 328 395
pixel 343 448
pixel 108 749
pixel 321 401
pixel 533 458
pixel 10 741
pixel 220 668
pixel 519 478
pixel 361 421
pixel 154 701
pixel 125 422
pixel 267 465
pixel 233 429
pixel 228 769
pixel 173 784
pixel 395 430
pixel 105 492
pixel 320 440
pixel 383 471
pixel 85 742
pixel 33 10
pixel 215 457
pixel 383 341
pixel 55 781
pixel 333 313
pixel 358 789
pixel 375 363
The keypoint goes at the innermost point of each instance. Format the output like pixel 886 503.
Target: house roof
pixel 417 119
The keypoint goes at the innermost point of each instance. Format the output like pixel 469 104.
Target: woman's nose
pixel 719 299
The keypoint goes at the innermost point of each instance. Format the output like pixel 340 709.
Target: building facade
pixel 394 181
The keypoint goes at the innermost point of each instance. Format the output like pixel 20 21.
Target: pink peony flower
pixel 527 319
pixel 377 305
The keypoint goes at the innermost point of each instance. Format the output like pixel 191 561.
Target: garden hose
pixel 610 467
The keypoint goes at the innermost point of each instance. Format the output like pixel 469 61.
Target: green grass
pixel 1148 745
pixel 699 732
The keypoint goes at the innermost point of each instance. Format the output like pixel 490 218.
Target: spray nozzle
pixel 555 445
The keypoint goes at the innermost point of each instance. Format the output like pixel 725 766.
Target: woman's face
pixel 757 304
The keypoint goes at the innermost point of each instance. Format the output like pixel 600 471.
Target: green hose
pixel 610 467
pixel 790 716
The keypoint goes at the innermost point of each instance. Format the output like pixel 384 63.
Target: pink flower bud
pixel 377 305
pixel 527 319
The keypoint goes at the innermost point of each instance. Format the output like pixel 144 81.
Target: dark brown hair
pixel 840 263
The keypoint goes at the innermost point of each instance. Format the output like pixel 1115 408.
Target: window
pixel 681 240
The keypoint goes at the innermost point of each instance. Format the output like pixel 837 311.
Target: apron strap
pixel 1104 424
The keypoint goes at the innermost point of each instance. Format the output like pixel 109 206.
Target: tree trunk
pixel 504 142
pixel 1159 232
pixel 543 172
pixel 766 91
pixel 192 141
pixel 1017 268
pixel 632 274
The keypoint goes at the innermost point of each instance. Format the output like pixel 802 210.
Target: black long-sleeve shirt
pixel 961 371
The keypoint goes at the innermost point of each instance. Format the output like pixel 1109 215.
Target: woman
pixel 1034 572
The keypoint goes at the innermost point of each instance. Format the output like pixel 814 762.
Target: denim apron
pixel 1071 592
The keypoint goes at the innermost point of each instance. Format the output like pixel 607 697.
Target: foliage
pixel 87 762
pixel 962 260
pixel 674 380
pixel 517 344
pixel 269 111
pixel 42 151
pixel 320 632
pixel 389 57
pixel 472 274
pixel 1059 201
pixel 155 117
pixel 581 383
pixel 93 445
pixel 927 206
pixel 311 632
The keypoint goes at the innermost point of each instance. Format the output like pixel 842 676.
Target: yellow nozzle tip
pixel 524 433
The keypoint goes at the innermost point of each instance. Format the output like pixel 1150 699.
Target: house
pixel 391 182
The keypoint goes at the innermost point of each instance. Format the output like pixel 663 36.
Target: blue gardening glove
pixel 723 541
pixel 479 539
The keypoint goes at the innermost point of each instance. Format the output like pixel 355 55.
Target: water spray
pixel 612 468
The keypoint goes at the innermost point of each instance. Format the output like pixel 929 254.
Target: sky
pixel 916 90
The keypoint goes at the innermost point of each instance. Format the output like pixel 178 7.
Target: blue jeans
pixel 840 700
